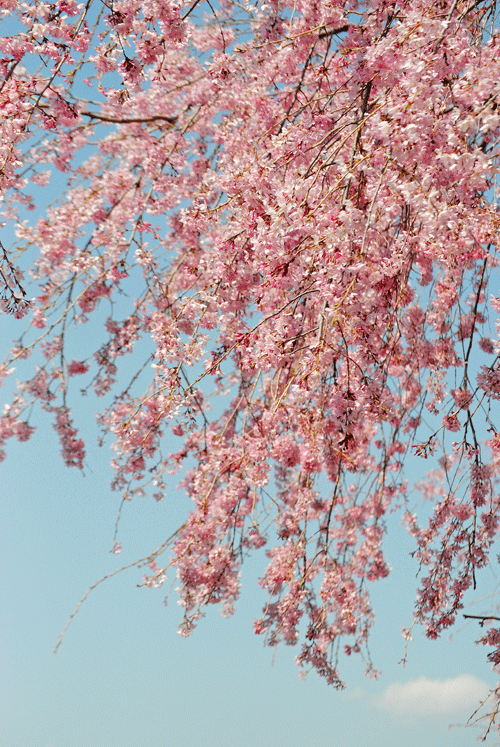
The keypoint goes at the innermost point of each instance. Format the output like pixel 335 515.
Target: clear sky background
pixel 123 677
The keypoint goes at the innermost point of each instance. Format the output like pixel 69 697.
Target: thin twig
pixel 153 555
pixel 482 618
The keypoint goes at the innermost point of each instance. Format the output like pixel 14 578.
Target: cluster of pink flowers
pixel 286 219
pixel 72 447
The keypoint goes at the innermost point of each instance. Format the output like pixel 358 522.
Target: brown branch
pixel 332 32
pixel 482 618
pixel 128 120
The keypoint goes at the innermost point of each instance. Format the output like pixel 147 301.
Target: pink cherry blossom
pixel 276 241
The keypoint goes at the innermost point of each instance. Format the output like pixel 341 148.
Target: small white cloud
pixel 425 697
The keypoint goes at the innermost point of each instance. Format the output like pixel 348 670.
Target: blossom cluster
pixel 287 205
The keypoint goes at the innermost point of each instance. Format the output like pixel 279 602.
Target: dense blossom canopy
pixel 292 205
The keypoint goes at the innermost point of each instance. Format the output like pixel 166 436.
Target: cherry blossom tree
pixel 291 206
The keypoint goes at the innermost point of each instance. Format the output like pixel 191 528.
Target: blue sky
pixel 124 678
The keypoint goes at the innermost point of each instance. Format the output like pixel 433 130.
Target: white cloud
pixel 425 697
